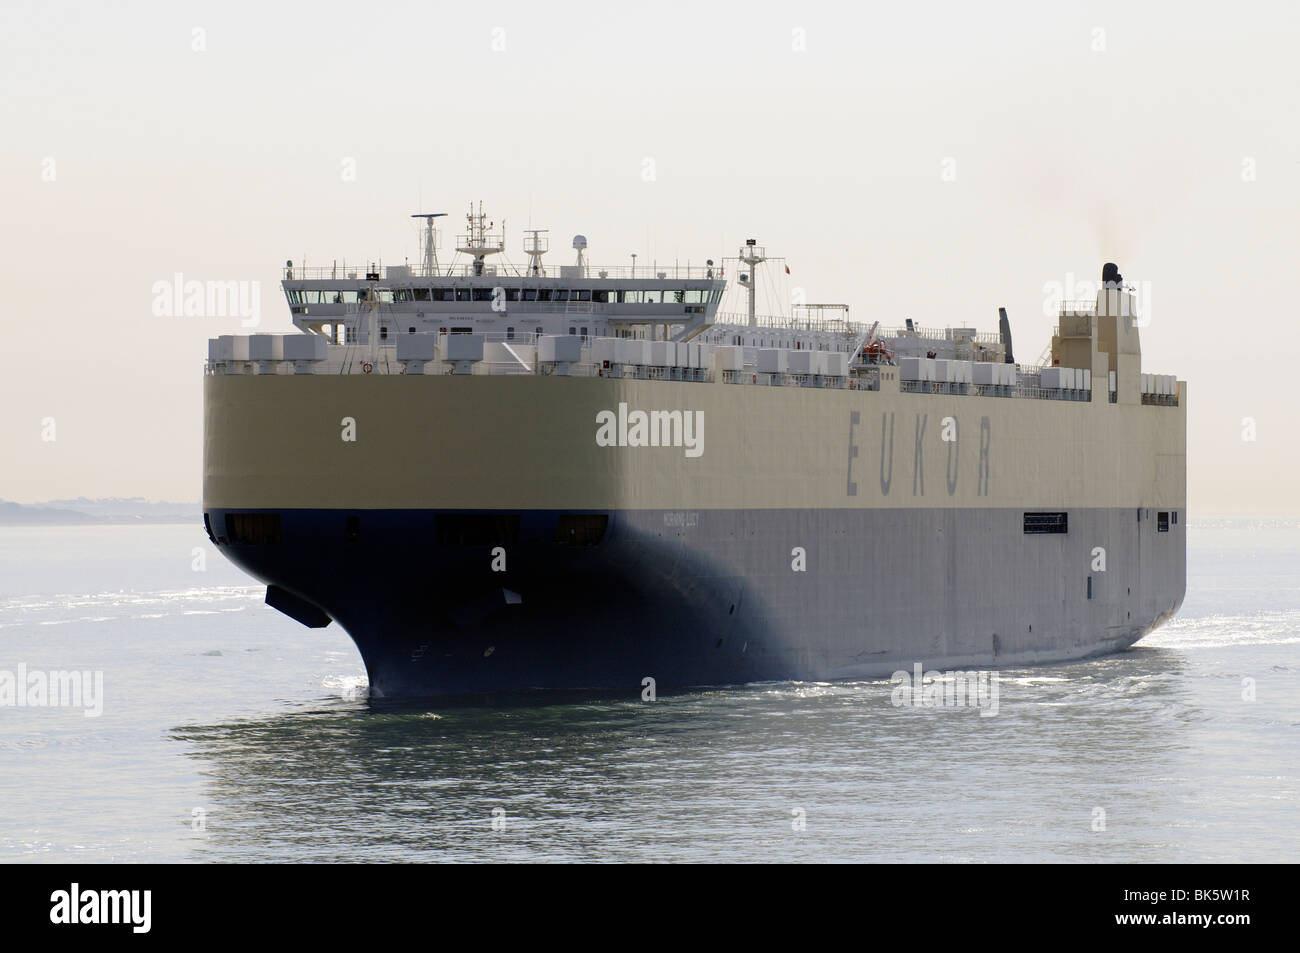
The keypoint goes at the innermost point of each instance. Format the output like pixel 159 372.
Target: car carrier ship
pixel 499 478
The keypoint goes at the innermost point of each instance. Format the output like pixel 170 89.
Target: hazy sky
pixel 925 161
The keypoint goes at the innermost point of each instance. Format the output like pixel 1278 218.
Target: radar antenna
pixel 430 243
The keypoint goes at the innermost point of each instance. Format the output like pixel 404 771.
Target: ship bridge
pixel 488 295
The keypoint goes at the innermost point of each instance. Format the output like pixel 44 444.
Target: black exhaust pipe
pixel 1004 331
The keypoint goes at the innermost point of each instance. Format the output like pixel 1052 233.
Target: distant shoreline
pixel 108 512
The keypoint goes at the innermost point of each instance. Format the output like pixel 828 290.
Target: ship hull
pixel 477 533
pixel 714 597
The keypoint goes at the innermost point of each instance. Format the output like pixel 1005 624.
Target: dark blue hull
pixel 606 600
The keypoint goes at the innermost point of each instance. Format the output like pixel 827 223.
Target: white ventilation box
pixel 837 364
pixel 703 357
pixel 911 368
pixel 410 347
pixel 662 353
pixel 801 362
pixel 559 348
pixel 463 347
pixel 266 347
pixel 603 349
pixel 943 370
pixel 1053 378
pixel 731 357
pixel 772 360
pixel 313 347
pixel 985 374
pixel 228 347
pixel 1111 375
pixel 627 351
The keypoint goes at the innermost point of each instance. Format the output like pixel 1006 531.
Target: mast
pixel 372 327
pixel 430 244
pixel 752 255
pixel 536 244
pixel 479 242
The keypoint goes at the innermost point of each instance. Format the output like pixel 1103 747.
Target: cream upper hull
pixel 529 442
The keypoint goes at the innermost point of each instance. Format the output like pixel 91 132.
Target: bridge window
pixel 482 294
pixel 582 295
pixel 530 294
pixel 420 294
pixel 462 294
pixel 443 294
pixel 601 296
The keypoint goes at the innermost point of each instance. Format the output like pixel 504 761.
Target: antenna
pixel 753 254
pixel 536 244
pixel 479 242
pixel 580 246
pixel 430 256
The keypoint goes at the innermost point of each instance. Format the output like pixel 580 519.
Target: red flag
pixel 787 269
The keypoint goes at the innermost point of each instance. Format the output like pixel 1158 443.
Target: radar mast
pixel 430 242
